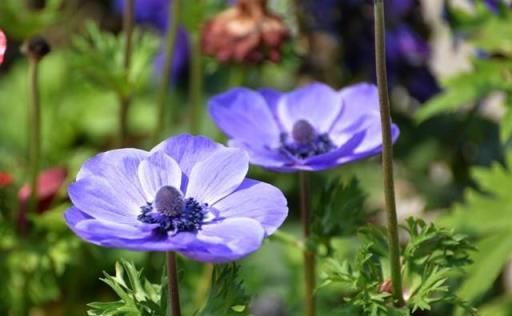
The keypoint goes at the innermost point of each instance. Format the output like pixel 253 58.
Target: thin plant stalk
pixel 125 100
pixel 172 282
pixel 35 130
pixel 170 43
pixel 309 256
pixel 387 152
pixel 196 85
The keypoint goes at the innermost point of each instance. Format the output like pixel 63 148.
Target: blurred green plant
pixel 21 22
pixel 339 212
pixel 485 214
pixel 32 265
pixel 98 56
pixel 429 261
pixel 491 35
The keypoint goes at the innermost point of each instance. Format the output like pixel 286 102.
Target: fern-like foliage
pixel 227 295
pixel 429 259
pixel 137 296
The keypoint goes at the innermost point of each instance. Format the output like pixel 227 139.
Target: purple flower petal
pixel 119 169
pixel 360 101
pixel 228 240
pixel 263 156
pixel 316 103
pixel 187 150
pixel 257 200
pixel 218 175
pixel 96 197
pixel 115 235
pixel 244 114
pixel 156 171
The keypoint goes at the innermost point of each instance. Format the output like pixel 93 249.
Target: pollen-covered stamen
pixel 302 132
pixel 172 212
pixel 169 201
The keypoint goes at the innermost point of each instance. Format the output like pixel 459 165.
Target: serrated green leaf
pixel 227 295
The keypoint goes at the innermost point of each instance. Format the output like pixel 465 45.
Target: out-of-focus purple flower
pixel 311 128
pixel 180 59
pixel 150 12
pixel 403 43
pixel 408 51
pixel 155 14
pixel 188 194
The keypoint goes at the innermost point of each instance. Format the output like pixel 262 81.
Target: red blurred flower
pixel 3 45
pixel 246 32
pixel 5 179
pixel 49 183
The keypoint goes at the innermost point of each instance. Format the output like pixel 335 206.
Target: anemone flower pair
pixel 188 195
pixel 312 128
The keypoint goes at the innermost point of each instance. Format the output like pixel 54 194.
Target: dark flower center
pixel 172 212
pixel 305 142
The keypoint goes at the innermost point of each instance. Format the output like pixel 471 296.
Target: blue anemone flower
pixel 188 195
pixel 312 128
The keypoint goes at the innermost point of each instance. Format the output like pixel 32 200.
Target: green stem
pixel 170 41
pixel 309 256
pixel 172 283
pixel 196 83
pixel 287 239
pixel 387 152
pixel 125 100
pixel 35 131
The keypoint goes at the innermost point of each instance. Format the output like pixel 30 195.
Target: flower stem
pixel 387 152
pixel 125 100
pixel 172 279
pixel 287 239
pixel 196 82
pixel 35 131
pixel 170 43
pixel 309 257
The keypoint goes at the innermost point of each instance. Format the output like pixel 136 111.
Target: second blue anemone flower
pixel 188 195
pixel 312 128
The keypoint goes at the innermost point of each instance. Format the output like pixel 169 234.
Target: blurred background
pixel 450 73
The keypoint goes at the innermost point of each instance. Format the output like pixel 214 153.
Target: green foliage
pixel 492 34
pixel 339 212
pixel 429 259
pixel 99 56
pixel 487 216
pixel 138 296
pixel 227 295
pixel 32 263
pixel 21 23
pixel 487 76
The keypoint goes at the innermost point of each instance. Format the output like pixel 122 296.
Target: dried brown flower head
pixel 245 33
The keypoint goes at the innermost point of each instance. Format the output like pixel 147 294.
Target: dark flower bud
pixel 36 47
pixel 245 33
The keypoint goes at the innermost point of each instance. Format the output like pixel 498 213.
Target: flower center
pixel 305 141
pixel 172 212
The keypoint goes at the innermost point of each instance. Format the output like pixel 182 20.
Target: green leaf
pixel 138 297
pixel 488 76
pixel 338 212
pixel 227 295
pixel 493 254
pixel 99 57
